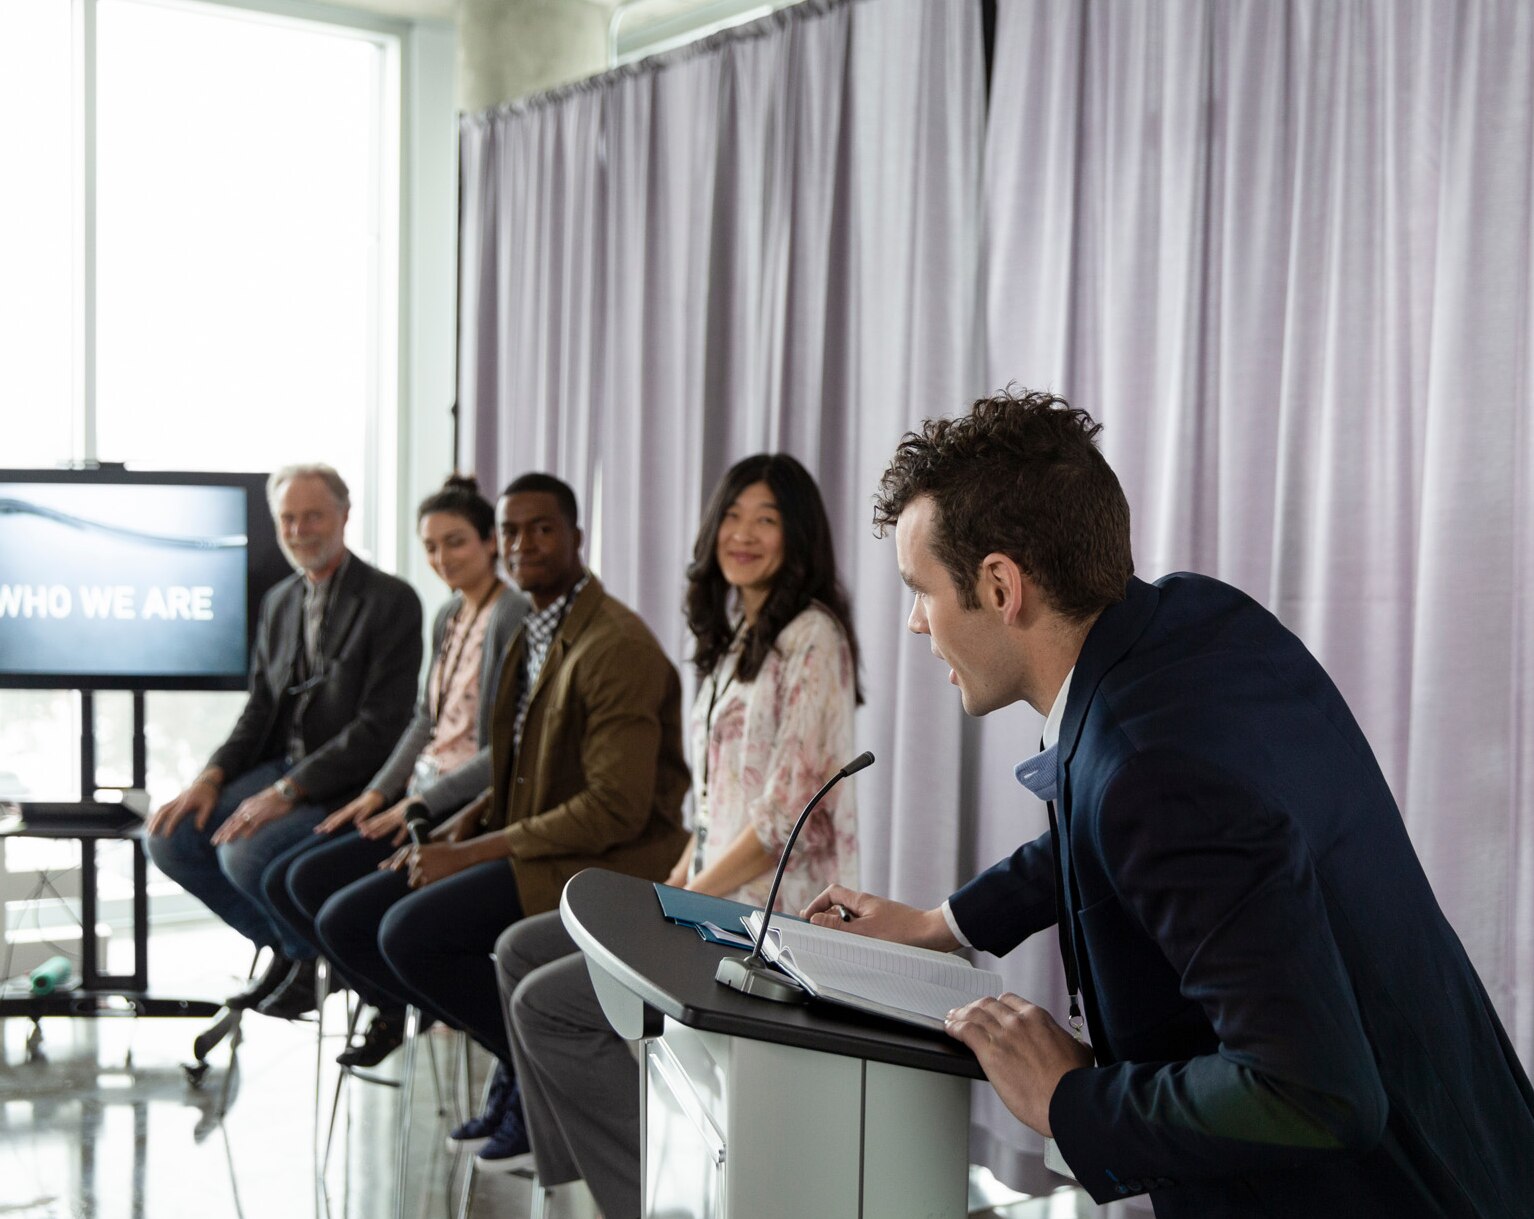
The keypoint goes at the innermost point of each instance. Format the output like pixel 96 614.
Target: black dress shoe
pixel 385 1034
pixel 297 996
pixel 268 980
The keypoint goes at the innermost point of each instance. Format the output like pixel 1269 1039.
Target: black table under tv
pixel 99 993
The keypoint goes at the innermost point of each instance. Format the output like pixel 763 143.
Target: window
pixel 38 249
pixel 241 268
pixel 199 257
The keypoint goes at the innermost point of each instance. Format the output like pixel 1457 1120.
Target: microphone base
pixel 744 975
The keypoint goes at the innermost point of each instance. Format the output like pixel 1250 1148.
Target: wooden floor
pixel 103 1123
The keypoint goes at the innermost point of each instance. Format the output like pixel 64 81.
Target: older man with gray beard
pixel 332 685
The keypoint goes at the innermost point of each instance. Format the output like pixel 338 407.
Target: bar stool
pixel 226 1027
pixel 404 1083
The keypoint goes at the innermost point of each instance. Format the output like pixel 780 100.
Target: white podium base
pixel 741 1129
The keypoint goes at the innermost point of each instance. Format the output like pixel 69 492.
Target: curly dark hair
pixel 460 495
pixel 808 572
pixel 1020 475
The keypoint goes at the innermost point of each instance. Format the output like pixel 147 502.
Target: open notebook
pixel 915 985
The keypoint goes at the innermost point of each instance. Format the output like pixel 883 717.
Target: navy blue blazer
pixel 1283 1020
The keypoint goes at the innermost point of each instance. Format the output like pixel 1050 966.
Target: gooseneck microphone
pixel 752 975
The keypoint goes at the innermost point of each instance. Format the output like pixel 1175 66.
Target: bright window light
pixel 37 263
pixel 239 241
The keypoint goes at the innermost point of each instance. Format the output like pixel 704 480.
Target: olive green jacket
pixel 599 779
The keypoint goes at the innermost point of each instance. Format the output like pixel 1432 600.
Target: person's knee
pixel 309 883
pixel 183 848
pixel 243 865
pixel 512 960
pixel 524 1007
pixel 274 883
pixel 164 852
pixel 339 928
pixel 399 941
pixel 554 996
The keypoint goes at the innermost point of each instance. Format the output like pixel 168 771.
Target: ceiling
pixel 446 10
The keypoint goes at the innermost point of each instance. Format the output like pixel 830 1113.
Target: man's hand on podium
pixel 1023 1052
pixel 880 918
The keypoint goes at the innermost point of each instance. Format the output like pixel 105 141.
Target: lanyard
pixel 716 692
pixel 1067 930
pixel 447 664
pixel 1063 922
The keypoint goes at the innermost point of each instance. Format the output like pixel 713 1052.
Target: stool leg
pixel 234 1061
pixel 321 989
pixel 353 1013
pixel 436 1077
pixel 464 1087
pixel 466 1190
pixel 406 1095
pixel 574 1202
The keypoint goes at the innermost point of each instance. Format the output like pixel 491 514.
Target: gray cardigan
pixel 461 784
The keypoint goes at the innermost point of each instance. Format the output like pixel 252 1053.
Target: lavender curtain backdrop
pixel 1282 251
pixel 767 241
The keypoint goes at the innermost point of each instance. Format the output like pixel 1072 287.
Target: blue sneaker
pixel 510 1137
pixel 478 1130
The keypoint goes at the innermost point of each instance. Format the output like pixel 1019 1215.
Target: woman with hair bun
pixel 443 759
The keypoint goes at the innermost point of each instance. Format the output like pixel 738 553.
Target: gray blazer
pixel 461 784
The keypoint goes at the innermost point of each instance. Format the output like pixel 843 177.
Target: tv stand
pixel 101 814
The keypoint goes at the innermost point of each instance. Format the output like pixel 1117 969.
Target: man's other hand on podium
pixel 1023 1051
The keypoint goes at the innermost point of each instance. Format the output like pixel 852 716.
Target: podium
pixel 752 1109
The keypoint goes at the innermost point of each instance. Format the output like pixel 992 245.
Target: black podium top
pixel 617 921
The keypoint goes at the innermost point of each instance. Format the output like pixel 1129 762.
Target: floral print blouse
pixel 770 745
pixel 457 666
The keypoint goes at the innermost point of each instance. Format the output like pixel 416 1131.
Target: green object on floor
pixel 51 975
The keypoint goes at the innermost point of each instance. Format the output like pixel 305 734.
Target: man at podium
pixel 1270 1013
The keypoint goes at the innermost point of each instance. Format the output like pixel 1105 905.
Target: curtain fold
pixel 770 240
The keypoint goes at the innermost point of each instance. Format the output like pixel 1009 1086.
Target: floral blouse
pixel 770 745
pixel 457 707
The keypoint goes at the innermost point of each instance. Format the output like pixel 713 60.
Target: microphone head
pixel 864 759
pixel 418 822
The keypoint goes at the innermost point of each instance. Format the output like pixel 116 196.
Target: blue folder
pixel 717 919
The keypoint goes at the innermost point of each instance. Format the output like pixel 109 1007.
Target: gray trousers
pixel 580 1083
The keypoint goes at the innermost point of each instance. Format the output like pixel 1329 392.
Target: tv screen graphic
pixel 111 579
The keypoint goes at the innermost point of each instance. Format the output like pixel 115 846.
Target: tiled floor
pixel 105 1125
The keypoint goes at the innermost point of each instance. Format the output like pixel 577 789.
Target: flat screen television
pixel 114 579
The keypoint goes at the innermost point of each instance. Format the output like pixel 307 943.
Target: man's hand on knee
pixel 196 801
pixel 254 812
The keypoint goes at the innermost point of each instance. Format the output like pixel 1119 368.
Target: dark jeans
pixel 429 947
pixel 231 880
pixel 300 890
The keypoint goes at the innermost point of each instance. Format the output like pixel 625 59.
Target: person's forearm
pixel 212 776
pixel 487 847
pixel 460 825
pixel 738 864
